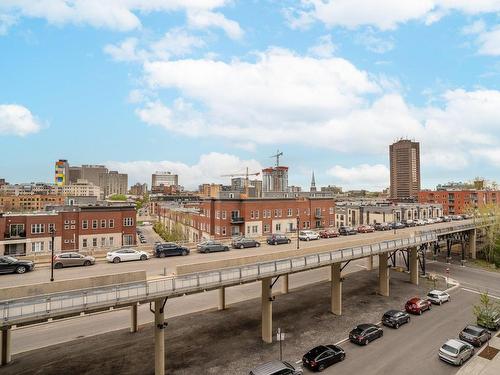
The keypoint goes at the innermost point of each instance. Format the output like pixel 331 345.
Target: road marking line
pixel 476 292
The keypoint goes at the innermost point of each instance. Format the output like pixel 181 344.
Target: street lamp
pixel 394 218
pixel 298 224
pixel 52 234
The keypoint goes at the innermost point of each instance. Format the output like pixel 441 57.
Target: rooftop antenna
pixel 277 156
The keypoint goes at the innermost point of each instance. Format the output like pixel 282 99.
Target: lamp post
pixel 298 225
pixel 394 218
pixel 52 234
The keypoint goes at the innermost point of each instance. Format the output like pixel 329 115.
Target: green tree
pixel 491 239
pixel 117 197
pixel 486 309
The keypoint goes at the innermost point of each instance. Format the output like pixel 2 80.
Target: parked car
pixel 395 318
pixel 382 226
pixel 364 333
pixel 167 249
pixel 420 222
pixel 10 264
pixel 142 240
pixel 212 247
pixel 323 356
pixel 242 242
pixel 126 254
pixel 72 259
pixel 456 217
pixel 328 233
pixel 475 335
pixel 277 368
pixel 409 223
pixel 446 219
pixel 417 305
pixel 398 225
pixel 204 243
pixel 307 235
pixel 456 352
pixel 490 321
pixel 347 231
pixel 438 297
pixel 278 239
pixel 365 229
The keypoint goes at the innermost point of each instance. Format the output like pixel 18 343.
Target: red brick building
pixel 222 218
pixel 76 228
pixel 458 202
pixel 33 202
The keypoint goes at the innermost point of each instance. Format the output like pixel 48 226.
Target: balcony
pixel 237 220
pixel 14 236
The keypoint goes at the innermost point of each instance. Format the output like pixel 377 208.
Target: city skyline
pixel 353 85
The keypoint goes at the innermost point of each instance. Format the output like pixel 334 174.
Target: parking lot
pixel 228 342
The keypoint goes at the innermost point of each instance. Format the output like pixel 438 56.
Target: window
pixel 278 227
pixel 128 221
pixel 251 215
pixel 52 228
pixel 257 214
pixel 111 223
pixel 103 241
pixel 128 240
pixel 266 228
pixel 73 222
pixel 276 212
pixel 94 224
pixel 66 227
pixel 66 241
pixel 217 214
pixel 37 228
pixel 331 211
pixel 223 215
pixel 111 239
pixel 94 242
pixel 73 227
pixel 66 221
pixel 255 229
pixel 103 223
pixel 37 247
pixel 290 212
pixel 223 230
pixel 280 212
pixel 85 224
pixel 84 242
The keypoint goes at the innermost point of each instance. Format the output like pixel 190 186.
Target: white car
pixel 438 297
pixel 307 235
pixel 125 255
pixel 420 222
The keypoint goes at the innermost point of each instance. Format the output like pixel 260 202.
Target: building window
pixel 290 212
pixel 280 212
pixel 52 228
pixel 111 241
pixel 111 223
pixel 66 221
pixel 276 212
pixel 278 227
pixel 103 223
pixel 257 214
pixel 94 224
pixel 255 229
pixel 223 232
pixel 66 241
pixel 266 228
pixel 223 215
pixel 94 242
pixel 103 241
pixel 331 210
pixel 128 240
pixel 37 247
pixel 73 222
pixel 84 242
pixel 73 227
pixel 251 215
pixel 128 221
pixel 37 228
pixel 217 214
pixel 85 224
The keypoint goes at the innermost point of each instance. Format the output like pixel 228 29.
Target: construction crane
pixel 246 174
pixel 277 156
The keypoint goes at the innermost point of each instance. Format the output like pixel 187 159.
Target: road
pixel 166 266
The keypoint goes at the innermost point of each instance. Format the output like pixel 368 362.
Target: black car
pixel 212 247
pixel 475 335
pixel 278 239
pixel 323 356
pixel 168 249
pixel 364 333
pixel 243 242
pixel 395 318
pixel 10 264
pixel 382 226
pixel 397 225
pixel 347 231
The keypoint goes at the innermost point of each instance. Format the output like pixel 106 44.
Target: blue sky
pixel 209 87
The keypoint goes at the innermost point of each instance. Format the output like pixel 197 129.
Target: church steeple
pixel 313 183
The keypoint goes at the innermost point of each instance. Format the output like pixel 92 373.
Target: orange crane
pixel 246 174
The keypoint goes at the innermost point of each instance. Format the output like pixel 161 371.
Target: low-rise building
pixel 82 188
pixel 252 217
pixel 24 203
pixel 459 202
pixel 75 228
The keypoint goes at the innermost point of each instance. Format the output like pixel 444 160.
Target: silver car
pixel 438 297
pixel 456 352
pixel 276 368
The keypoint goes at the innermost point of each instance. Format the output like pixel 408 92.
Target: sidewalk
pixel 481 366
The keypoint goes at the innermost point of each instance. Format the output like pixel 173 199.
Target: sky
pixel 204 88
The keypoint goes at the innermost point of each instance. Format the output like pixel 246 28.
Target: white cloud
pixel 474 28
pixel 364 176
pixel 383 14
pixel 6 21
pixel 324 47
pixel 120 15
pixel 205 19
pixel 491 155
pixel 374 43
pixel 489 42
pixel 209 168
pixel 17 120
pixel 125 51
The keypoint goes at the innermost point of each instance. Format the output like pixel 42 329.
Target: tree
pixel 117 197
pixel 486 310
pixel 491 246
pixel 174 235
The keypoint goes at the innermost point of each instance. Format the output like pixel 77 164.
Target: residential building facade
pixel 459 202
pixel 24 203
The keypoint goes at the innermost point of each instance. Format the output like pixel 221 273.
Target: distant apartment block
pixel 210 190
pixel 61 172
pixel 458 202
pixel 76 228
pixel 139 189
pixel 164 179
pixel 404 158
pixel 82 188
pixel 33 202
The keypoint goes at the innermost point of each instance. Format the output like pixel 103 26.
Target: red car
pixel 417 305
pixel 329 233
pixel 365 229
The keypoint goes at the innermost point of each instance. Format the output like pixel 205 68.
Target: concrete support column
pixel 5 346
pixel 369 263
pixel 267 311
pixel 159 329
pixel 222 298
pixel 284 284
pixel 472 243
pixel 134 325
pixel 336 286
pixel 414 265
pixel 383 275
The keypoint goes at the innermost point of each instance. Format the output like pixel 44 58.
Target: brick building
pixel 35 202
pixel 76 228
pixel 222 218
pixel 458 202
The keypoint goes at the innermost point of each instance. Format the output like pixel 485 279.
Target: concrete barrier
pixel 71 284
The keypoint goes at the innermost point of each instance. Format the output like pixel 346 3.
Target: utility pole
pixel 298 225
